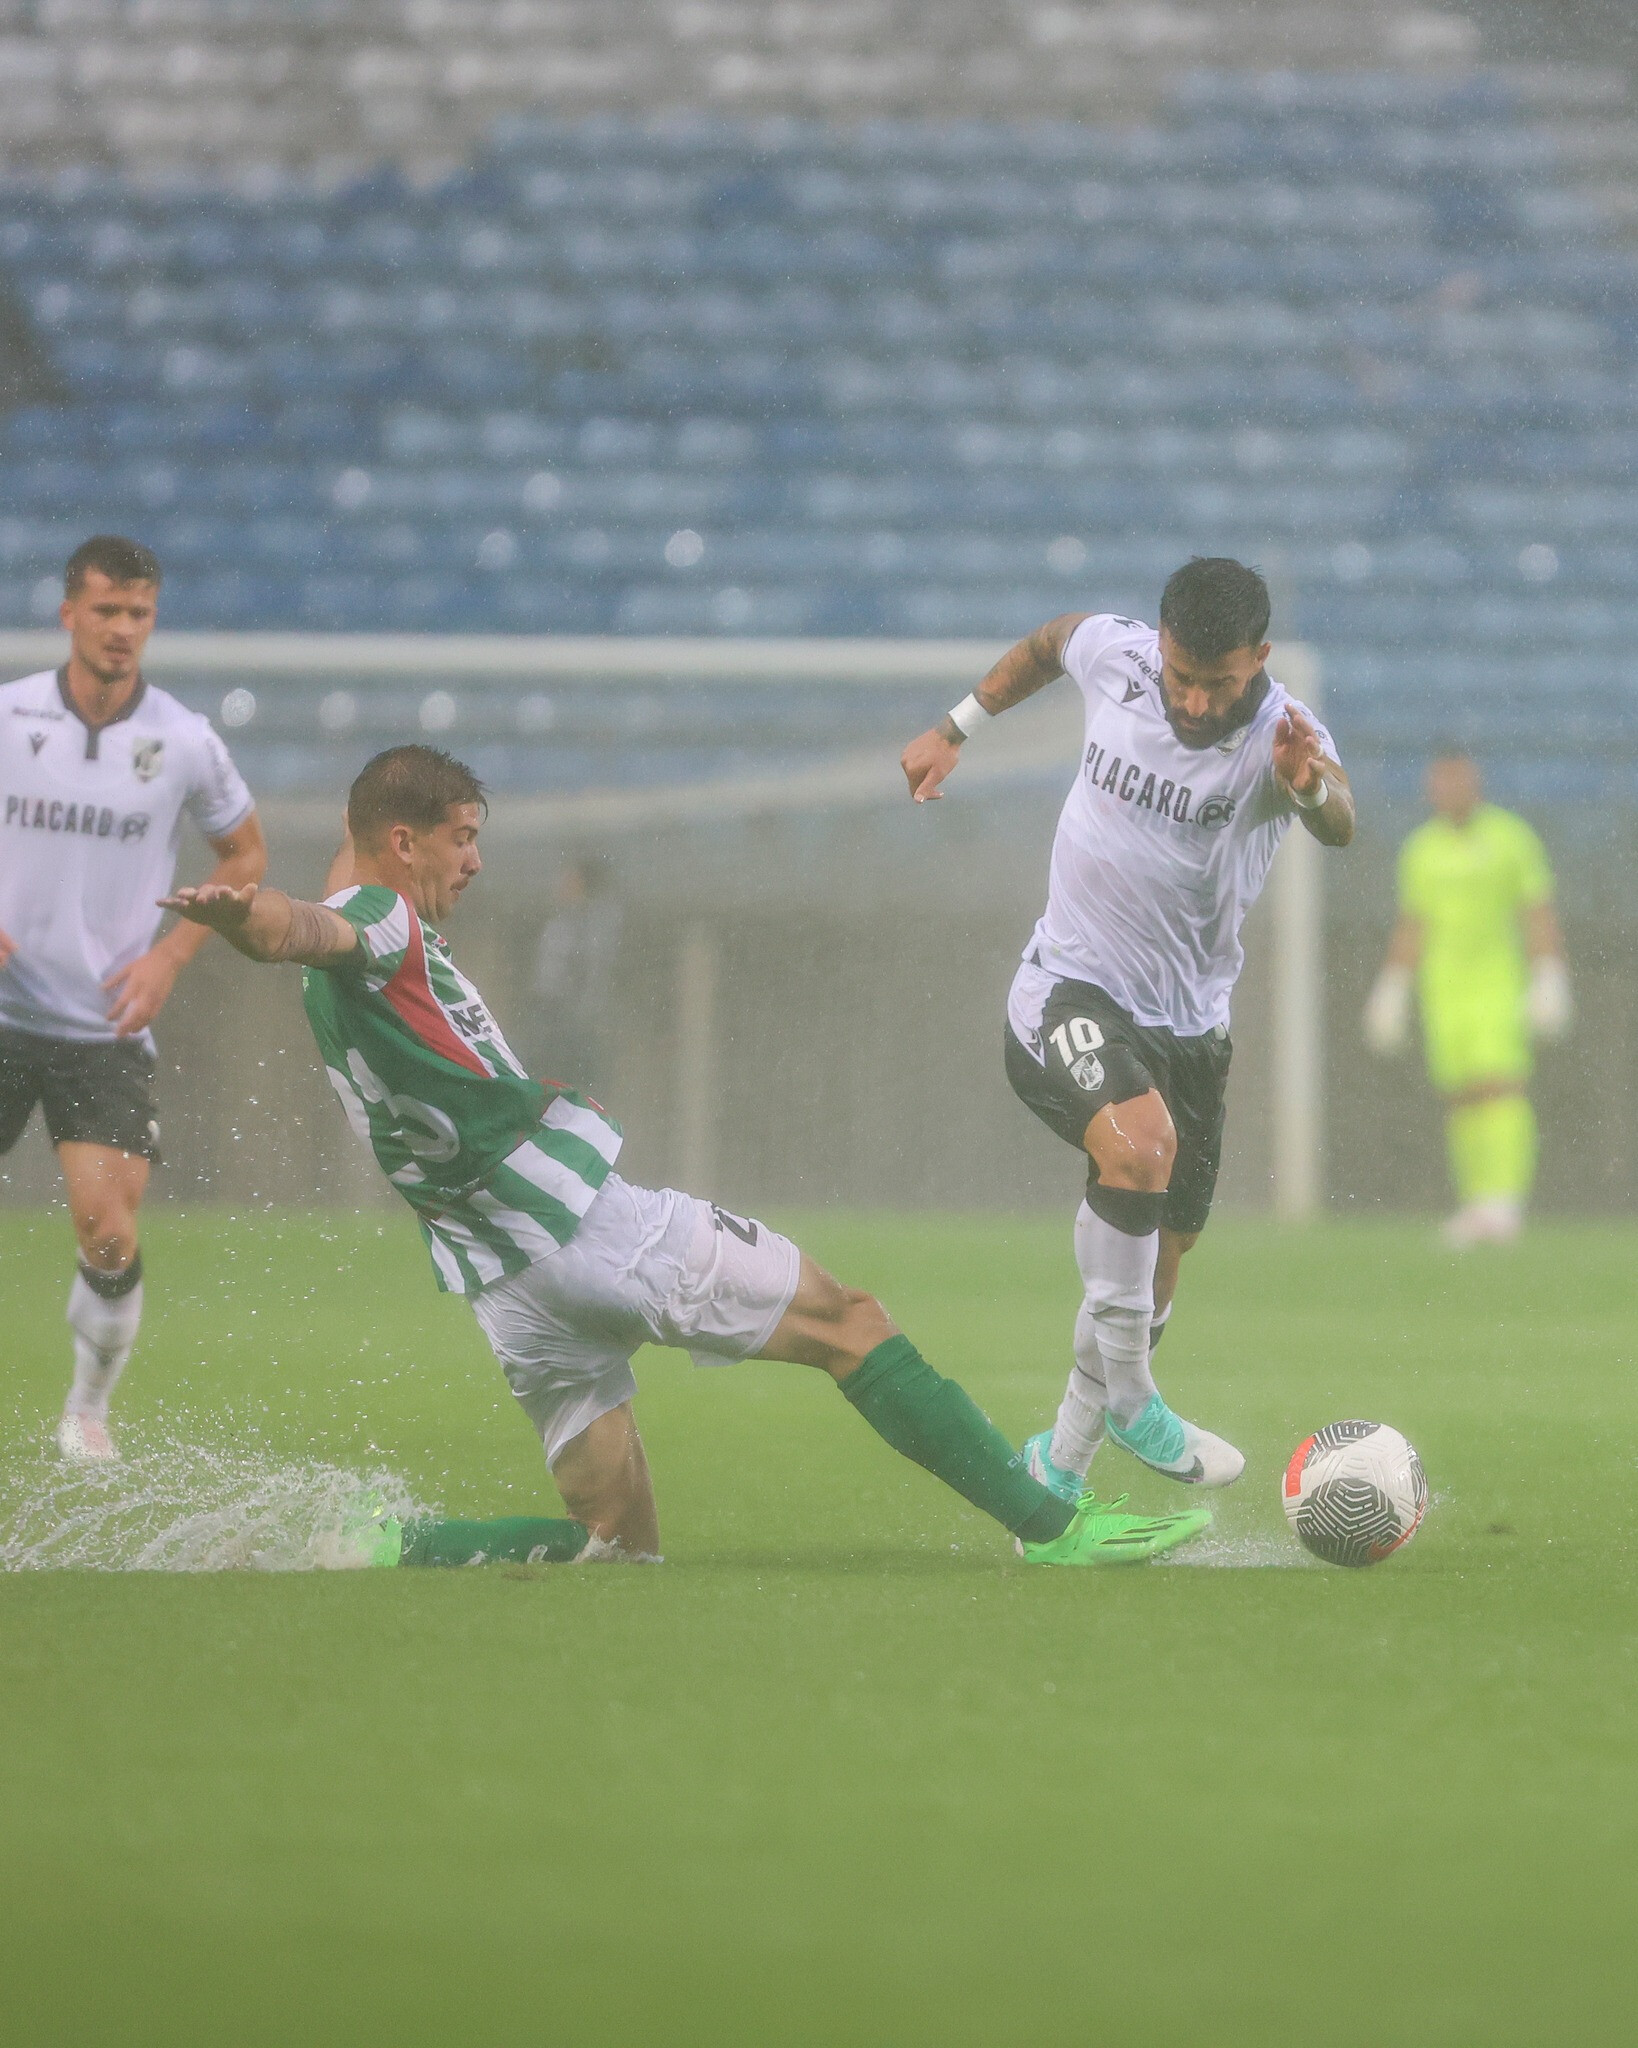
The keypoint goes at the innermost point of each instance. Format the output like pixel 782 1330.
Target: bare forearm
pixel 1333 823
pixel 1036 660
pixel 284 928
pixel 268 926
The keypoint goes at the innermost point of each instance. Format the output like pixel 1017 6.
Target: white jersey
pixel 90 825
pixel 1161 848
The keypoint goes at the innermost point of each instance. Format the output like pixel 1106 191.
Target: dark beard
pixel 1211 732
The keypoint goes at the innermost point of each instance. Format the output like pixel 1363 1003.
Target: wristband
pixel 969 715
pixel 1312 803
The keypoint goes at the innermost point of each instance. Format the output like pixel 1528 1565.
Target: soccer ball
pixel 1354 1492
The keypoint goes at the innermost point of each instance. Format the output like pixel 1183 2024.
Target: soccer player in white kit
pixel 1117 1038
pixel 97 771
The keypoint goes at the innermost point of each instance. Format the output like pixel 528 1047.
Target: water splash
pixel 185 1507
pixel 1242 1553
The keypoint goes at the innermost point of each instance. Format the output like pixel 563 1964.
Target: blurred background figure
pixel 1478 936
pixel 572 1023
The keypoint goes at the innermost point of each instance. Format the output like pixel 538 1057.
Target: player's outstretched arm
pixel 1321 791
pixel 268 926
pixel 1035 661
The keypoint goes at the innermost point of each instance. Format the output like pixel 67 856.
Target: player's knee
pixel 865 1325
pixel 854 1324
pixel 107 1238
pixel 1135 1145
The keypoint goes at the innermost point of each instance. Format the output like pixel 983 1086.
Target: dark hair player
pixel 97 770
pixel 1196 761
pixel 568 1267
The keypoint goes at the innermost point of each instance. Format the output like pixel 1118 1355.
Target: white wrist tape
pixel 1316 801
pixel 969 715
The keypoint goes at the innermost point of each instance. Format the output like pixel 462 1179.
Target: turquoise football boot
pixel 1169 1445
pixel 1038 1459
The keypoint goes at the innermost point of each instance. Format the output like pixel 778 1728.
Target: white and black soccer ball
pixel 1355 1492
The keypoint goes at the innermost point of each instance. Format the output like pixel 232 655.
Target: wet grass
pixel 842 1771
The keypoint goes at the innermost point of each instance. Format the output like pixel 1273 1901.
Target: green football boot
pixel 369 1534
pixel 1100 1534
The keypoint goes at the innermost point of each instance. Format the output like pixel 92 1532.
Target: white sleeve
pixel 219 798
pixel 1088 644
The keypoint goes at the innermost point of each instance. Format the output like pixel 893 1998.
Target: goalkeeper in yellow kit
pixel 1478 935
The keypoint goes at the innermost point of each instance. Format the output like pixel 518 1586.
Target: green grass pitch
pixel 842 1771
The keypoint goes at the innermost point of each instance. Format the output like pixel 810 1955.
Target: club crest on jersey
pixel 1214 812
pixel 1087 1072
pixel 147 758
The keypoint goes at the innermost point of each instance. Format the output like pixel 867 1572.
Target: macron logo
pixel 36 740
pixel 1134 690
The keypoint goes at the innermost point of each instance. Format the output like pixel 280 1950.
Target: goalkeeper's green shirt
pixel 498 1168
pixel 1467 885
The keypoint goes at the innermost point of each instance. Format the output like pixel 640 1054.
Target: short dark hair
pixel 1212 605
pixel 119 559
pixel 409 786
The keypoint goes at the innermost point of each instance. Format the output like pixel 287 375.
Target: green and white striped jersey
pixel 498 1168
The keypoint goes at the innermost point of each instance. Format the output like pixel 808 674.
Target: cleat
pixel 1177 1449
pixel 84 1439
pixel 1101 1534
pixel 369 1534
pixel 1068 1486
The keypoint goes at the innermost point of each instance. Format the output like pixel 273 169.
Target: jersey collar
pixel 94 733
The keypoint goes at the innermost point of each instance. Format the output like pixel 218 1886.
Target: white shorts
pixel 646 1266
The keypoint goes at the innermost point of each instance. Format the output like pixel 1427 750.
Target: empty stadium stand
pixel 751 368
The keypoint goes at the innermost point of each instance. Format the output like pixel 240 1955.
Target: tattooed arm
pixel 267 925
pixel 1037 659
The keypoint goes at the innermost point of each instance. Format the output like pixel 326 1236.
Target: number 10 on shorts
pixel 1078 1041
pixel 1079 1035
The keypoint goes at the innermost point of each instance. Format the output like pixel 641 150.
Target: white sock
pixel 1119 1275
pixel 1157 1329
pixel 1079 1429
pixel 104 1332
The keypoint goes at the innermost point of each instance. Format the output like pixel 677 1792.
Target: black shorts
pixel 1094 1054
pixel 94 1092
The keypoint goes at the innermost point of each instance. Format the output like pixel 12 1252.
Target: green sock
pixel 935 1423
pixel 528 1539
pixel 1493 1148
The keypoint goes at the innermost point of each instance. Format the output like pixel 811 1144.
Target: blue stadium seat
pixel 1353 324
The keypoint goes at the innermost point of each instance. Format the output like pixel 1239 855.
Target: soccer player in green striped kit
pixel 568 1267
